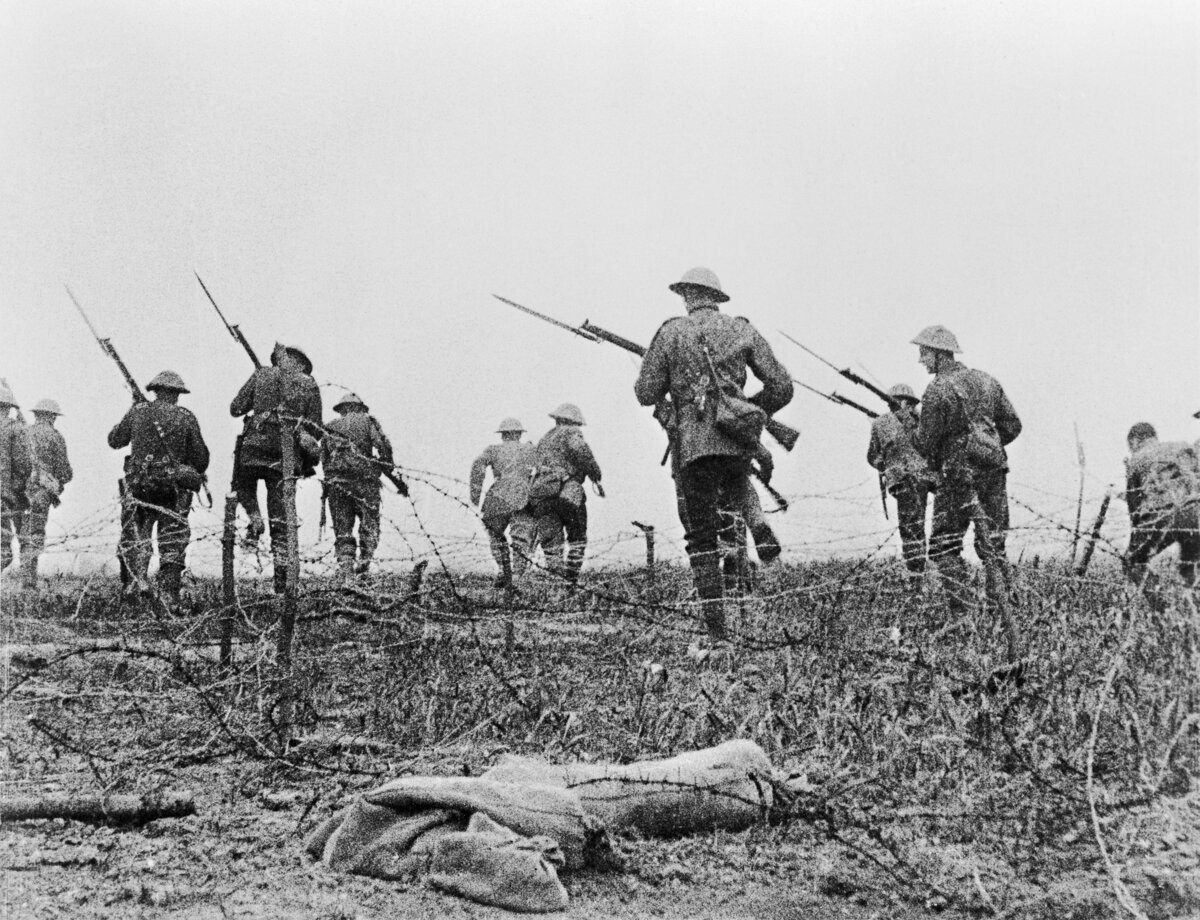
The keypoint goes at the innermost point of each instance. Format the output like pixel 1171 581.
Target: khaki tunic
pixel 892 450
pixel 512 464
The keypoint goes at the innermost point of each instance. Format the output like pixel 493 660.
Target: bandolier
pixel 354 453
pixel 557 499
pixel 15 467
pixel 281 397
pixel 966 423
pixel 505 509
pixel 51 473
pixel 700 361
pixel 1162 490
pixel 906 475
pixel 166 465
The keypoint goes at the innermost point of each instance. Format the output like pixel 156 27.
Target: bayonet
pixel 234 331
pixel 107 347
pixel 892 403
pixel 582 333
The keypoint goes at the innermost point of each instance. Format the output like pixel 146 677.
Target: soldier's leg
pixel 174 534
pixel 910 519
pixel 700 483
pixel 33 540
pixel 277 523
pixel 522 533
pixel 575 522
pixel 991 534
pixel 137 540
pixel 368 527
pixel 245 484
pixel 951 516
pixel 766 544
pixel 552 536
pixel 342 510
pixel 10 519
pixel 498 543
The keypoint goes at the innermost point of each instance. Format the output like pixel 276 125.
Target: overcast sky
pixel 359 178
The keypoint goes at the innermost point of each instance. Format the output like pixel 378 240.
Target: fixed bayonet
pixel 582 333
pixel 838 398
pixel 892 402
pixel 107 347
pixel 234 331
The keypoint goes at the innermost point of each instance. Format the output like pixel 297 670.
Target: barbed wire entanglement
pixel 897 732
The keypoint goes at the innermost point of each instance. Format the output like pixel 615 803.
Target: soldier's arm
pixel 63 472
pixel 244 401
pixel 931 430
pixel 21 463
pixel 478 471
pixel 1133 485
pixel 654 378
pixel 197 449
pixel 122 432
pixel 582 456
pixel 776 381
pixel 1008 424
pixel 313 406
pixel 383 447
pixel 875 449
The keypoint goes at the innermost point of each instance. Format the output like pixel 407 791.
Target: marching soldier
pixel 354 454
pixel 166 464
pixel 966 423
pixel 506 506
pixel 15 467
pixel 1162 490
pixel 903 472
pixel 564 461
pixel 51 472
pixel 700 360
pixel 281 397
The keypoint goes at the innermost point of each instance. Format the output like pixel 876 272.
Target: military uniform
pixel 712 465
pixel 354 451
pixel 52 471
pixel 15 467
pixel 1162 489
pixel 905 475
pixel 957 397
pixel 558 502
pixel 276 396
pixel 167 458
pixel 506 505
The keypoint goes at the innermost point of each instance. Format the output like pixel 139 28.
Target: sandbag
pixel 727 787
pixel 490 864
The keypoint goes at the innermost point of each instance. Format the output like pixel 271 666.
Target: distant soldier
pixel 506 506
pixel 564 461
pixel 166 465
pixel 281 397
pixel 903 471
pixel 354 454
pixel 966 424
pixel 700 360
pixel 1162 489
pixel 51 472
pixel 15 467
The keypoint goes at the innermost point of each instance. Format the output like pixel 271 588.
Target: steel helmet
pixel 903 391
pixel 168 380
pixel 700 278
pixel 510 424
pixel 6 395
pixel 349 399
pixel 568 412
pixel 49 406
pixel 938 337
pixel 296 352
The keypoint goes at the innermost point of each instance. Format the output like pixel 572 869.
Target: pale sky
pixel 358 178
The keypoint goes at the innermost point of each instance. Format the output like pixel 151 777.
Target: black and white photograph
pixel 692 460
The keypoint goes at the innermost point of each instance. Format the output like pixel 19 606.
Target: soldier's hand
pixel 401 485
pixel 599 489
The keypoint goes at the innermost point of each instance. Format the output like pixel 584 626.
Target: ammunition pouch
pixel 158 480
pixel 42 484
pixel 740 420
pixel 547 483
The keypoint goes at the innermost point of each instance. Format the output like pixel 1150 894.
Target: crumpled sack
pixel 726 787
pixel 490 864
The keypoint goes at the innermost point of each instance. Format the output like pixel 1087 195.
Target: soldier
pixel 166 464
pixel 903 472
pixel 700 360
pixel 966 423
pixel 1162 490
pixel 354 454
pixel 506 507
pixel 51 472
pixel 283 395
pixel 15 467
pixel 564 461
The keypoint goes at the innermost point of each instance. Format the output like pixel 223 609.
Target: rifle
pixel 1090 545
pixel 781 503
pixel 839 399
pixel 106 346
pixel 234 331
pixel 892 403
pixel 784 434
